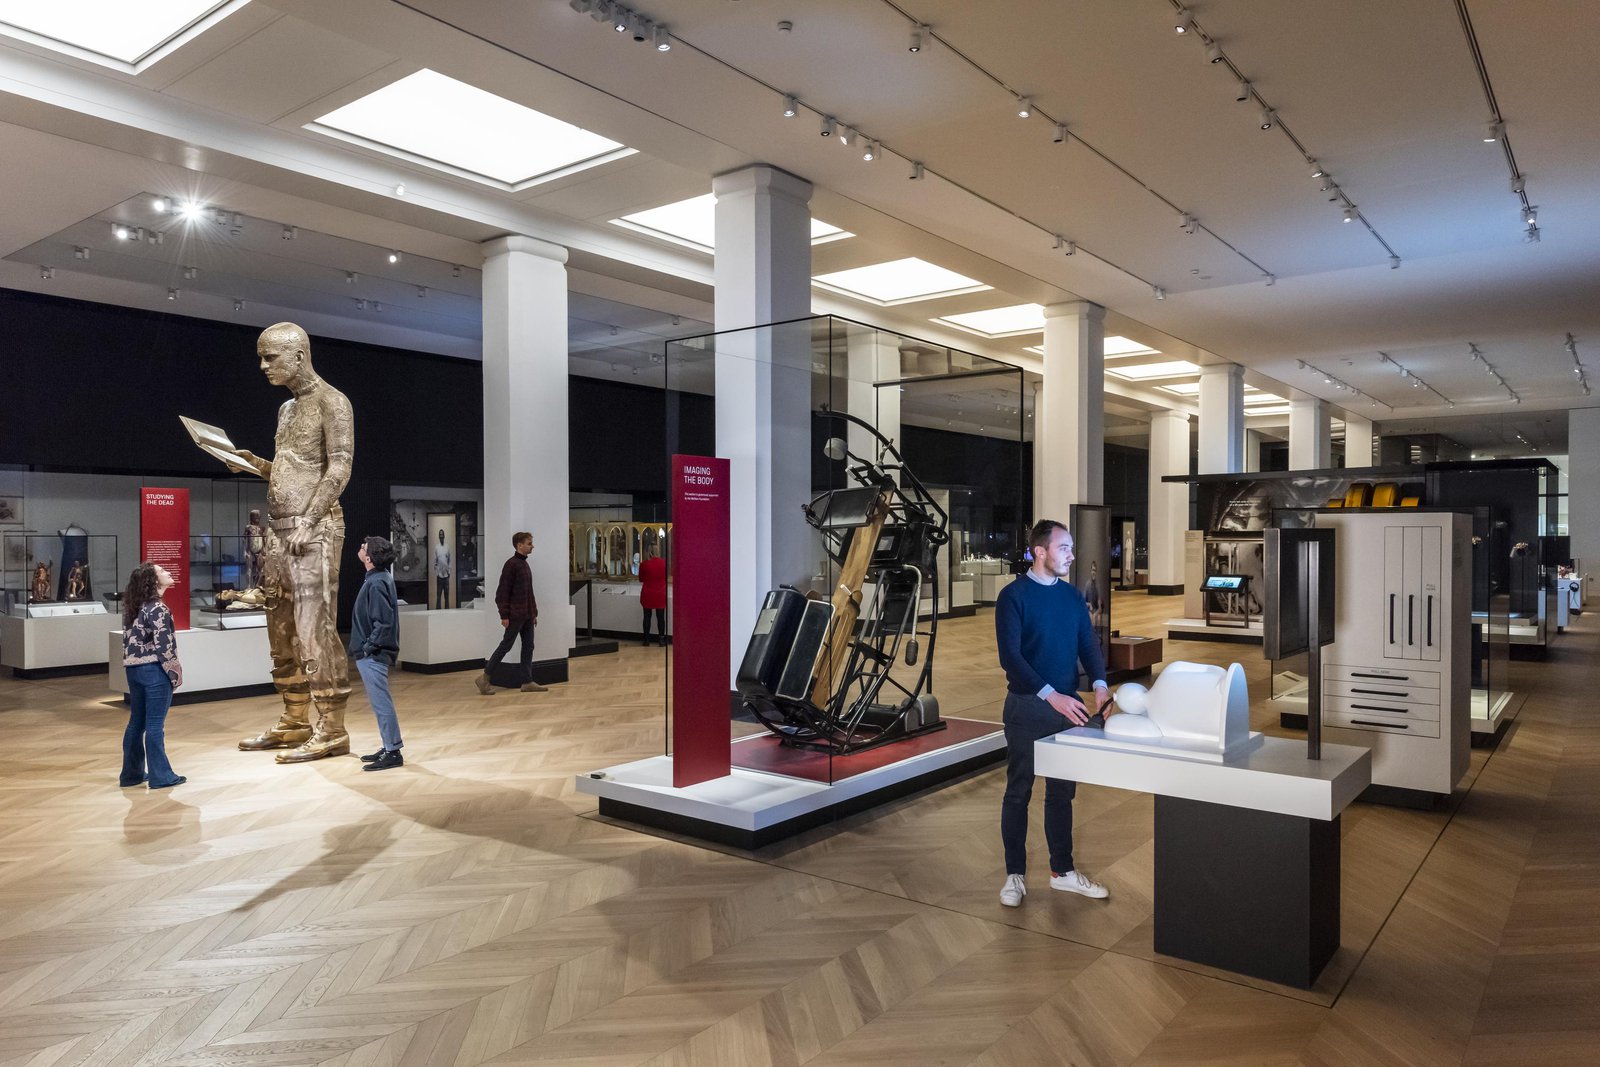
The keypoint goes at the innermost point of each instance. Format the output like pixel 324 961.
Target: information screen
pixel 1225 581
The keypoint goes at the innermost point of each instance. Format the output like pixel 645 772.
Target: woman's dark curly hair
pixel 142 585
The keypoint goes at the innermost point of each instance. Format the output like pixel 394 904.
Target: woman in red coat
pixel 653 595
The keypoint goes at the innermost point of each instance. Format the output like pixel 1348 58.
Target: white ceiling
pixel 1385 95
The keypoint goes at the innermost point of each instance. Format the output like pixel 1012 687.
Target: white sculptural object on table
pixel 1193 710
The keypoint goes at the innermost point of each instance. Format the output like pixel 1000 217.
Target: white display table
pixel 59 643
pixel 460 639
pixel 218 664
pixel 1246 851
pixel 616 609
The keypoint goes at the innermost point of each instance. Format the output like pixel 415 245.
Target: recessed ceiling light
pixel 899 281
pixel 693 222
pixel 113 33
pixel 1266 409
pixel 1122 346
pixel 437 121
pixel 999 322
pixel 1252 395
pixel 1146 371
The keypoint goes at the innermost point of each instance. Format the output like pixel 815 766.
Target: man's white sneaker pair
pixel 1014 890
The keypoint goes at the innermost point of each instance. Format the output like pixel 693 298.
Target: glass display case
pixel 69 572
pixel 610 550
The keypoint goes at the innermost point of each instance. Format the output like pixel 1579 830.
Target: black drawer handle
pixel 1379 707
pixel 1430 620
pixel 1380 692
pixel 1411 611
pixel 1382 677
pixel 1391 618
pixel 1384 725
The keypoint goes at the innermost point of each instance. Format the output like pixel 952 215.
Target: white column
pixel 1039 447
pixel 1252 449
pixel 1072 470
pixel 1309 448
pixel 872 356
pixel 1357 441
pixel 1221 419
pixel 762 275
pixel 1583 488
pixel 1169 501
pixel 525 425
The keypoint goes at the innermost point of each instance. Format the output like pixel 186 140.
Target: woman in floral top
pixel 150 656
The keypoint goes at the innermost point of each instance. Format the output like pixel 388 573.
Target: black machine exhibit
pixel 820 673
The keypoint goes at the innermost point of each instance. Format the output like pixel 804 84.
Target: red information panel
pixel 700 732
pixel 164 539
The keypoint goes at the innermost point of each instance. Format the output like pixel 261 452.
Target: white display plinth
pixel 213 660
pixel 749 803
pixel 435 638
pixel 55 642
pixel 55 611
pixel 1274 777
pixel 616 608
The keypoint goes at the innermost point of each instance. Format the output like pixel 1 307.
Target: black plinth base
pixel 1251 892
pixel 1291 720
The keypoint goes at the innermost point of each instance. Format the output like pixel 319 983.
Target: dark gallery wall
pixel 100 388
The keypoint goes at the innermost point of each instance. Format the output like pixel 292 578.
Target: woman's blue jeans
pixel 144 742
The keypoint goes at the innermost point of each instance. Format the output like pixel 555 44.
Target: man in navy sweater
pixel 1043 630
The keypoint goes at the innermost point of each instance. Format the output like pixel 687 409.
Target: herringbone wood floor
pixel 470 908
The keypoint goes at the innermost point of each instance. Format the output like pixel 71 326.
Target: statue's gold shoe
pixel 317 749
pixel 275 739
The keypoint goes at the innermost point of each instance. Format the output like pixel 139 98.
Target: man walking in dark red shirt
pixel 519 612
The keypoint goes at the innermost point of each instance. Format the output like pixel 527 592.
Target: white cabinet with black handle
pixel 1397 680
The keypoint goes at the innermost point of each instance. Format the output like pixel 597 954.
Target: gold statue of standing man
pixel 304 537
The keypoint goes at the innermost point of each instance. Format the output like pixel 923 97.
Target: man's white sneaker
pixel 1013 891
pixel 1074 882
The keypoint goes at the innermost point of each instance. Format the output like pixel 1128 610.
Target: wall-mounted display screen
pixel 1225 581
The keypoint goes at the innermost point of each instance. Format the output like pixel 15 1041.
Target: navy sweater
pixel 1043 631
pixel 375 620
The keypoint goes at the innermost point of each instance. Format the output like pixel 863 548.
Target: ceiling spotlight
pixel 1349 214
pixel 1024 107
pixel 394 257
pixel 663 39
pixel 350 277
pixel 377 305
pixel 1530 214
pixel 422 292
pixel 1061 133
pixel 870 152
pixel 1495 131
pixel 828 126
pixel 1158 292
pixel 400 189
pixel 1185 22
pixel 80 252
pixel 361 305
pixel 455 271
pixel 172 294
pixel 238 219
pixel 46 273
pixel 1394 262
pixel 1214 52
pixel 1269 118
pixel 192 210
pixel 120 232
pixel 845 134
pixel 238 305
pixel 582 7
pixel 791 106
pixel 1244 91
pixel 643 29
pixel 1532 234
pixel 1071 249
pixel 621 18
pixel 1061 242
pixel 1317 170
pixel 162 205
pixel 190 273
pixel 1518 184
pixel 1272 279
pixel 916 172
pixel 291 232
pixel 600 10
pixel 916 39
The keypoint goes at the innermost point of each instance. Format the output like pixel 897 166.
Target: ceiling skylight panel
pixel 693 222
pixel 999 322
pixel 900 281
pixel 123 34
pixel 436 120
